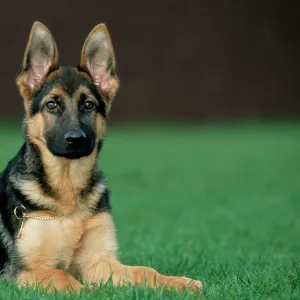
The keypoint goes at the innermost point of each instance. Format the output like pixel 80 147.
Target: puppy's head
pixel 66 108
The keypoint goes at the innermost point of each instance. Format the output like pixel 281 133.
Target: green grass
pixel 216 203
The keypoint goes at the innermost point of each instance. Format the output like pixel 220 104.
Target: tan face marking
pixel 35 131
pixel 83 90
pixel 100 122
pixel 43 121
pixel 56 91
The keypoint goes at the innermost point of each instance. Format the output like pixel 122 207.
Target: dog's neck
pixel 58 184
pixel 61 174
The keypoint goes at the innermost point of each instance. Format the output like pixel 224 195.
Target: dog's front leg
pixel 96 261
pixel 50 279
pixel 109 268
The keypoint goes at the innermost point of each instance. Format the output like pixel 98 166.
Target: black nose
pixel 75 137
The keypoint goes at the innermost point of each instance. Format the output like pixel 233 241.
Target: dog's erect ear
pixel 40 57
pixel 97 57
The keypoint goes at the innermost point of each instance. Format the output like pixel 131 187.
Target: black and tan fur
pixel 55 174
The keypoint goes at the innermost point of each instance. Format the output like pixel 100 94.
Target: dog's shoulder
pixel 7 222
pixel 4 180
pixel 103 204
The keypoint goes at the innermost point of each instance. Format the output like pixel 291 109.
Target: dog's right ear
pixel 98 59
pixel 40 57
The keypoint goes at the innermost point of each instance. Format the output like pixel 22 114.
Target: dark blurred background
pixel 177 60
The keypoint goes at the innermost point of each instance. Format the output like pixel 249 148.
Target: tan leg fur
pixel 50 279
pixel 96 261
pixel 86 248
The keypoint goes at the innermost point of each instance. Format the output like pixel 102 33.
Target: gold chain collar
pixel 20 213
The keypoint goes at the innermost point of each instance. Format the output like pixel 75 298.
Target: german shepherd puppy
pixel 55 218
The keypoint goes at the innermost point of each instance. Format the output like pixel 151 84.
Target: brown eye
pixel 88 104
pixel 51 104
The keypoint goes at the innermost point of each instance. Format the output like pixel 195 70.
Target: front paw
pixel 183 283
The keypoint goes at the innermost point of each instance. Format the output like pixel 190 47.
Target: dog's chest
pixel 50 243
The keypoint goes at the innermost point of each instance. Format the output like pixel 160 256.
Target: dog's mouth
pixel 73 155
pixel 71 152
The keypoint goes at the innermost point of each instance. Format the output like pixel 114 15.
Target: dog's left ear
pixel 40 57
pixel 98 59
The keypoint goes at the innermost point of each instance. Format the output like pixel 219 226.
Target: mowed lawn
pixel 219 203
